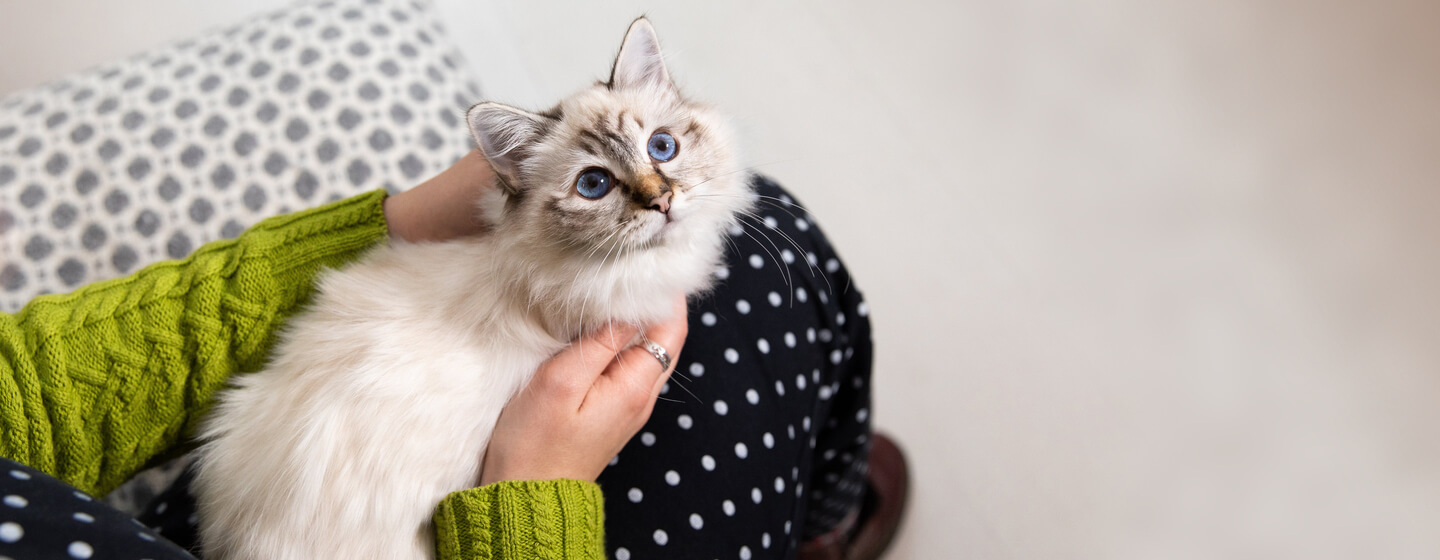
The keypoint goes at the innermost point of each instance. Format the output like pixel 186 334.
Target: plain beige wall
pixel 1149 279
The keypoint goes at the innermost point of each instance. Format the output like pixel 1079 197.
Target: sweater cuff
pixel 549 519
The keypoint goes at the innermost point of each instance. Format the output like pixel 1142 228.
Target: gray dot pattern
pixel 147 159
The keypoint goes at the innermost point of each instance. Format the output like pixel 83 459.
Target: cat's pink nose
pixel 661 203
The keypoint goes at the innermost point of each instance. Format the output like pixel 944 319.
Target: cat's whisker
pixel 686 389
pixel 773 257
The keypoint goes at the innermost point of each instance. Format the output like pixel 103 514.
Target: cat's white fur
pixel 380 399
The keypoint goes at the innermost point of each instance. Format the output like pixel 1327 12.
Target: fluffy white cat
pixel 380 398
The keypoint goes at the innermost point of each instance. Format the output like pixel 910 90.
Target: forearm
pixel 95 383
pixel 543 520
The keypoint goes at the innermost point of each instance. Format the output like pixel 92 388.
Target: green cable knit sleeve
pixel 542 520
pixel 96 383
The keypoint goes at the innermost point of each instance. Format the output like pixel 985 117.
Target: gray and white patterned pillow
pixel 144 160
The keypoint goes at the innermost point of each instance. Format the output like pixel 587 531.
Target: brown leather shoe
pixel 866 534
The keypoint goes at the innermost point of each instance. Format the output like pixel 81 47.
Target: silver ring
pixel 660 354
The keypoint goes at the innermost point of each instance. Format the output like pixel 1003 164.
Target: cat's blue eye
pixel 663 147
pixel 593 183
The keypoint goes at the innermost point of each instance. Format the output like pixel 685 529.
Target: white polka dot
pixel 735 230
pixel 721 408
pixel 696 521
pixel 756 261
pixel 82 496
pixel 801 295
pixel 810 335
pixel 780 387
pixel 863 309
pixel 753 396
pixel 19 475
pixel 708 319
pixel 741 451
pixel 16 501
pixel 801 224
pixel 756 495
pixel 823 298
pixel 857 382
pixel 826 336
pixel 697 369
pixel 744 553
pixel 787 200
pixel 774 299
pixel 861 415
pixel 832 265
pixel 829 454
pixel 765 540
pixel 805 423
pixel 794 473
pixel 787 256
pixel 83 517
pixel 729 508
pixel 835 357
pixel 665 389
pixel 769 440
pixel 815 374
pixel 685 421
pixel 648 439
pixel 11 532
pixel 763 345
pixel 779 485
pixel 615 460
pixel 162 507
pixel 787 527
pixel 770 222
pixel 708 462
pixel 742 306
pixel 824 392
pixel 80 549
pixel 192 519
pixel 672 478
pixel 791 429
pixel 731 355
pixel 790 339
pixel 800 382
pixel 722 273
pixel 622 553
pixel 811 258
pixel 661 538
pixel 840 318
pixel 635 495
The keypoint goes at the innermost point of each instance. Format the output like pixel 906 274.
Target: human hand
pixel 583 405
pixel 445 206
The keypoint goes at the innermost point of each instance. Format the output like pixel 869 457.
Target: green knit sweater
pixel 97 384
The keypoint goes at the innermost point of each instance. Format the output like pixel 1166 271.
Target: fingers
pixel 573 371
pixel 642 368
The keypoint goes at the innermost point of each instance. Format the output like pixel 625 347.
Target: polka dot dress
pixel 41 517
pixel 760 439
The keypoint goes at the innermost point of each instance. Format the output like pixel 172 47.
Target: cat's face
pixel 626 166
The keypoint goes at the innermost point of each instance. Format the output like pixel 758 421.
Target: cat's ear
pixel 505 135
pixel 639 64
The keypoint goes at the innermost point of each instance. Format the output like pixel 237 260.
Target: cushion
pixel 145 159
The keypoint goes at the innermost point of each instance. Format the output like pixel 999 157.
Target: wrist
pixel 443 207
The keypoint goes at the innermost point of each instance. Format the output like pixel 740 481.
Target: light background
pixel 1149 279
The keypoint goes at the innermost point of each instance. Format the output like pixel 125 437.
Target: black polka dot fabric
pixel 145 160
pixel 41 517
pixel 760 439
